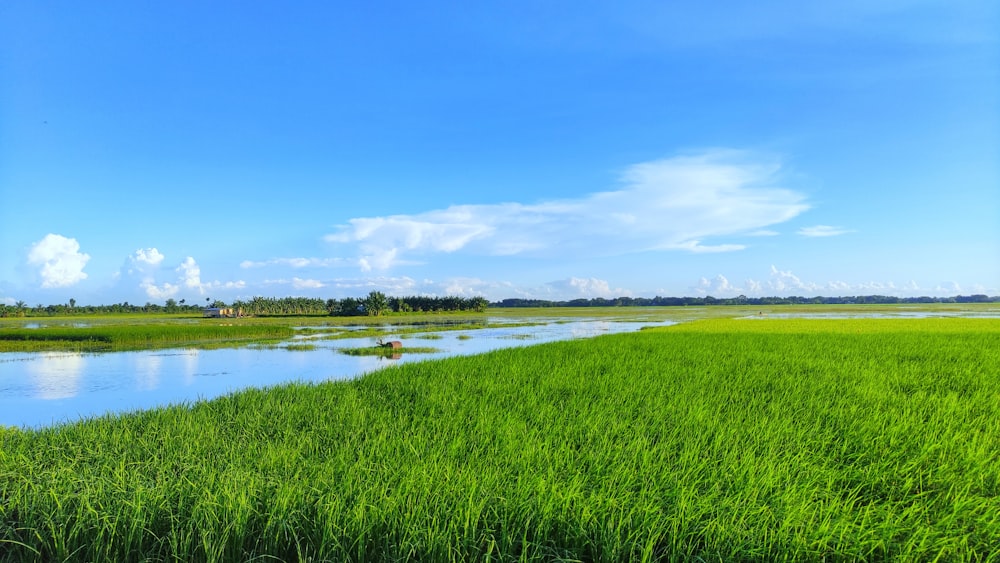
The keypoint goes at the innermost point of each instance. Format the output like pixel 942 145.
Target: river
pixel 45 388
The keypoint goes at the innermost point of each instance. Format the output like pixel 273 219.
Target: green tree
pixel 376 304
pixel 349 306
pixel 479 304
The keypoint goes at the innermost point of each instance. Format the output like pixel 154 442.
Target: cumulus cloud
pixel 154 291
pixel 586 288
pixel 144 264
pixel 719 285
pixel 823 231
pixel 190 274
pixel 671 204
pixel 147 256
pixel 59 260
pixel 949 288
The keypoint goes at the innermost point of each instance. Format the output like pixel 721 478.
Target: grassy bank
pixel 720 440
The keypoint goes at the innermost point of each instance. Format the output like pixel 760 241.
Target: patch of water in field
pixel 878 315
pixel 42 388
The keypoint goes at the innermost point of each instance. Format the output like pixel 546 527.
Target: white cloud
pixel 297 262
pixel 586 288
pixel 159 292
pixel 784 283
pixel 188 277
pixel 145 262
pixel 190 274
pixel 467 287
pixel 391 285
pixel 148 256
pixel 949 288
pixel 60 260
pixel 719 285
pixel 299 283
pixel 670 204
pixel 823 231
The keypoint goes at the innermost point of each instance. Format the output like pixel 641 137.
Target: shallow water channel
pixel 43 388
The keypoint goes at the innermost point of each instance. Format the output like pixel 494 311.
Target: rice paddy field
pixel 712 440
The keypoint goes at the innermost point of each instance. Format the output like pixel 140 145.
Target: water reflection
pixel 147 372
pixel 56 375
pixel 189 366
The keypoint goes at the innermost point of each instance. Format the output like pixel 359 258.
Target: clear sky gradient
pixel 555 150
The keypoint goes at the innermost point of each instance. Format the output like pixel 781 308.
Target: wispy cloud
pixel 59 260
pixel 297 263
pixel 674 204
pixel 823 231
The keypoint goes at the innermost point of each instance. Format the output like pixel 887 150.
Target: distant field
pixel 715 440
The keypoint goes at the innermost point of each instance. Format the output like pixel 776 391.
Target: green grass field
pixel 715 440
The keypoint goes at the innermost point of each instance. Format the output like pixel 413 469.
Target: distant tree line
pixel 740 300
pixel 375 303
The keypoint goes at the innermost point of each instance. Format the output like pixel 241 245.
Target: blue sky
pixel 555 150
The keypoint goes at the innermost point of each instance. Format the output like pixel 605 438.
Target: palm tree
pixel 375 304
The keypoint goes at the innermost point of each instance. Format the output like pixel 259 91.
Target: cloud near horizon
pixel 784 283
pixel 143 268
pixel 59 260
pixel 670 204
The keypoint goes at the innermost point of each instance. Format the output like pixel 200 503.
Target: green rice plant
pixel 719 440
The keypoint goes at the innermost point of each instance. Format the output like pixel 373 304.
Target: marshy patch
pixel 387 352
